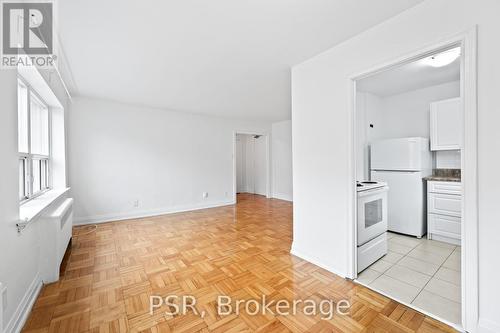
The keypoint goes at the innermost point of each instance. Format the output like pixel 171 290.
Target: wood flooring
pixel 242 251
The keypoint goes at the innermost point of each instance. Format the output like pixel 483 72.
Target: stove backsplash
pixel 447 159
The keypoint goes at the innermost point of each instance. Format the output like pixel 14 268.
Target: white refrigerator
pixel 403 163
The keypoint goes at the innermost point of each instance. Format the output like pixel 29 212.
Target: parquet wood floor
pixel 242 251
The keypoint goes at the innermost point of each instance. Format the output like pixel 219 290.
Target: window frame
pixel 24 161
pixel 29 158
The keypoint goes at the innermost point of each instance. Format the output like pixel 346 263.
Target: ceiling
pixel 408 77
pixel 227 58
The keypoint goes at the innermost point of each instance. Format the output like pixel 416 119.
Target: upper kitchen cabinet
pixel 446 124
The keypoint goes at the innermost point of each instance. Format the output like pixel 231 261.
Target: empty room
pixel 249 166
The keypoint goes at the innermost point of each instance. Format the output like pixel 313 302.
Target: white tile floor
pixel 422 272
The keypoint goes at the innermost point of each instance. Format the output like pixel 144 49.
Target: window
pixel 33 143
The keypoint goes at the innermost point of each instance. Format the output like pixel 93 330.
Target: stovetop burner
pixel 368 185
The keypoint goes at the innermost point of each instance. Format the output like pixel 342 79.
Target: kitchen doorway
pixel 428 226
pixel 251 164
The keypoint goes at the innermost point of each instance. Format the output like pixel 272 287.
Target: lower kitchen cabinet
pixel 444 211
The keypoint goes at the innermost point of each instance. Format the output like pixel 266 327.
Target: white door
pixel 446 124
pixel 240 165
pixel 249 164
pixel 260 169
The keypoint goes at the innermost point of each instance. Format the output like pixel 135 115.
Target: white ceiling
pixel 412 76
pixel 227 58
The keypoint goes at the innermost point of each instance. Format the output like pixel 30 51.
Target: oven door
pixel 372 214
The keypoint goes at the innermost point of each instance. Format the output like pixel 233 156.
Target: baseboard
pixel 252 192
pixel 488 326
pixel 296 252
pixel 19 318
pixel 283 196
pixel 148 213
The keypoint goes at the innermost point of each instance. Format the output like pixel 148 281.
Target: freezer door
pixel 406 201
pixel 408 154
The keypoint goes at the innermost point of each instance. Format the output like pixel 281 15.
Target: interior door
pixel 260 168
pixel 240 165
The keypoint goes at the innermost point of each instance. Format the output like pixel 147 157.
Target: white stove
pixel 371 222
pixel 368 185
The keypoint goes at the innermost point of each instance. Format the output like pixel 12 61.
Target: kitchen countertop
pixel 442 179
pixel 445 175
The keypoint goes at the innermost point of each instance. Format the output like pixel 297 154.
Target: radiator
pixel 55 231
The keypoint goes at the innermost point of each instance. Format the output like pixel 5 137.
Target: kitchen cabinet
pixel 444 211
pixel 445 204
pixel 446 124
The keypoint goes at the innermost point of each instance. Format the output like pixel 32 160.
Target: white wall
pixel 282 160
pixel 16 275
pixel 448 159
pixel 19 252
pixel 165 160
pixel 397 116
pixel 321 132
pixel 368 106
pixel 408 114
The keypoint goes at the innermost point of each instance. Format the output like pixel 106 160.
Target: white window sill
pixel 34 208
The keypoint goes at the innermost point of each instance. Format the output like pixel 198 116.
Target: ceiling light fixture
pixel 443 58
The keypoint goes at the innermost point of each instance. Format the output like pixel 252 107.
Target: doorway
pixel 251 170
pixel 377 143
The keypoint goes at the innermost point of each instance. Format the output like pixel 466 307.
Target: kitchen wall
pixel 367 107
pixel 397 116
pixel 407 114
pixel 447 159
pixel 19 252
pixel 282 160
pixel 127 161
pixel 321 133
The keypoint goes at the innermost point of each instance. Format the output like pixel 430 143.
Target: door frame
pixel 467 40
pixel 268 161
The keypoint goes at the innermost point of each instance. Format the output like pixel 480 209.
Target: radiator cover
pixel 55 231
